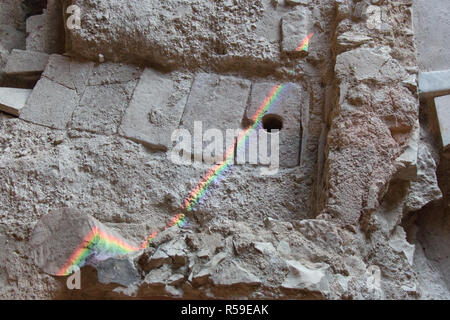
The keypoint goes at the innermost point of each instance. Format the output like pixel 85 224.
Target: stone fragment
pixel 407 162
pixel 350 40
pixel 218 102
pixel 425 188
pixel 102 107
pixel 265 248
pixel 50 104
pixel 434 83
pixel 11 38
pixel 297 2
pixel 287 111
pixel 399 243
pixel 59 234
pixel 67 72
pixel 302 277
pixel 21 62
pixel 12 100
pixel 117 270
pixel 110 73
pixel 156 108
pixel 295 28
pixel 37 33
pixel 234 274
pixel 443 113
pixel 369 64
pixel 176 250
pixel 158 259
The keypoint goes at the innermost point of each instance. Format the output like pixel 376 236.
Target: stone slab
pixel 110 73
pixel 102 107
pixel 295 27
pixel 156 108
pixel 12 100
pixel 219 102
pixel 67 72
pixel 434 83
pixel 50 104
pixel 443 114
pixel 23 62
pixel 287 108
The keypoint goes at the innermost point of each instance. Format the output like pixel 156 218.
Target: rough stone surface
pixel 336 226
pixel 156 108
pixel 12 100
pixel 37 33
pixel 68 72
pixel 218 102
pixel 295 28
pixel 102 107
pixel 50 104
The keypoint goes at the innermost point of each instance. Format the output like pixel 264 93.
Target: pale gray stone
pixel 117 270
pixel 407 162
pixel 302 277
pixel 295 28
pixel 443 114
pixel 50 104
pixel 11 38
pixel 234 274
pixel 399 243
pixel 156 108
pixel 37 33
pixel 218 102
pixel 369 64
pixel 288 108
pixel 110 73
pixel 13 100
pixel 102 107
pixel 434 83
pixel 425 188
pixel 68 72
pixel 21 62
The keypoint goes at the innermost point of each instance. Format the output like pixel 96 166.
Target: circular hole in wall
pixel 272 122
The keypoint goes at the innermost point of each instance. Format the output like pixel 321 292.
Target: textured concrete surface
pixel 431 28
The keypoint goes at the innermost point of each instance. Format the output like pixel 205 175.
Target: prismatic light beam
pixel 98 241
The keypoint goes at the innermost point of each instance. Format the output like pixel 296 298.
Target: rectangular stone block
pixel 13 100
pixel 443 114
pixel 156 108
pixel 218 102
pixel 102 107
pixel 37 33
pixel 50 104
pixel 433 84
pixel 284 114
pixel 67 72
pixel 295 28
pixel 22 62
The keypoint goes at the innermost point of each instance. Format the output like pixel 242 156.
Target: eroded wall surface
pixel 334 222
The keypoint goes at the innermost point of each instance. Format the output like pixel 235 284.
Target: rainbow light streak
pixel 304 45
pixel 218 169
pixel 100 241
pixel 96 240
